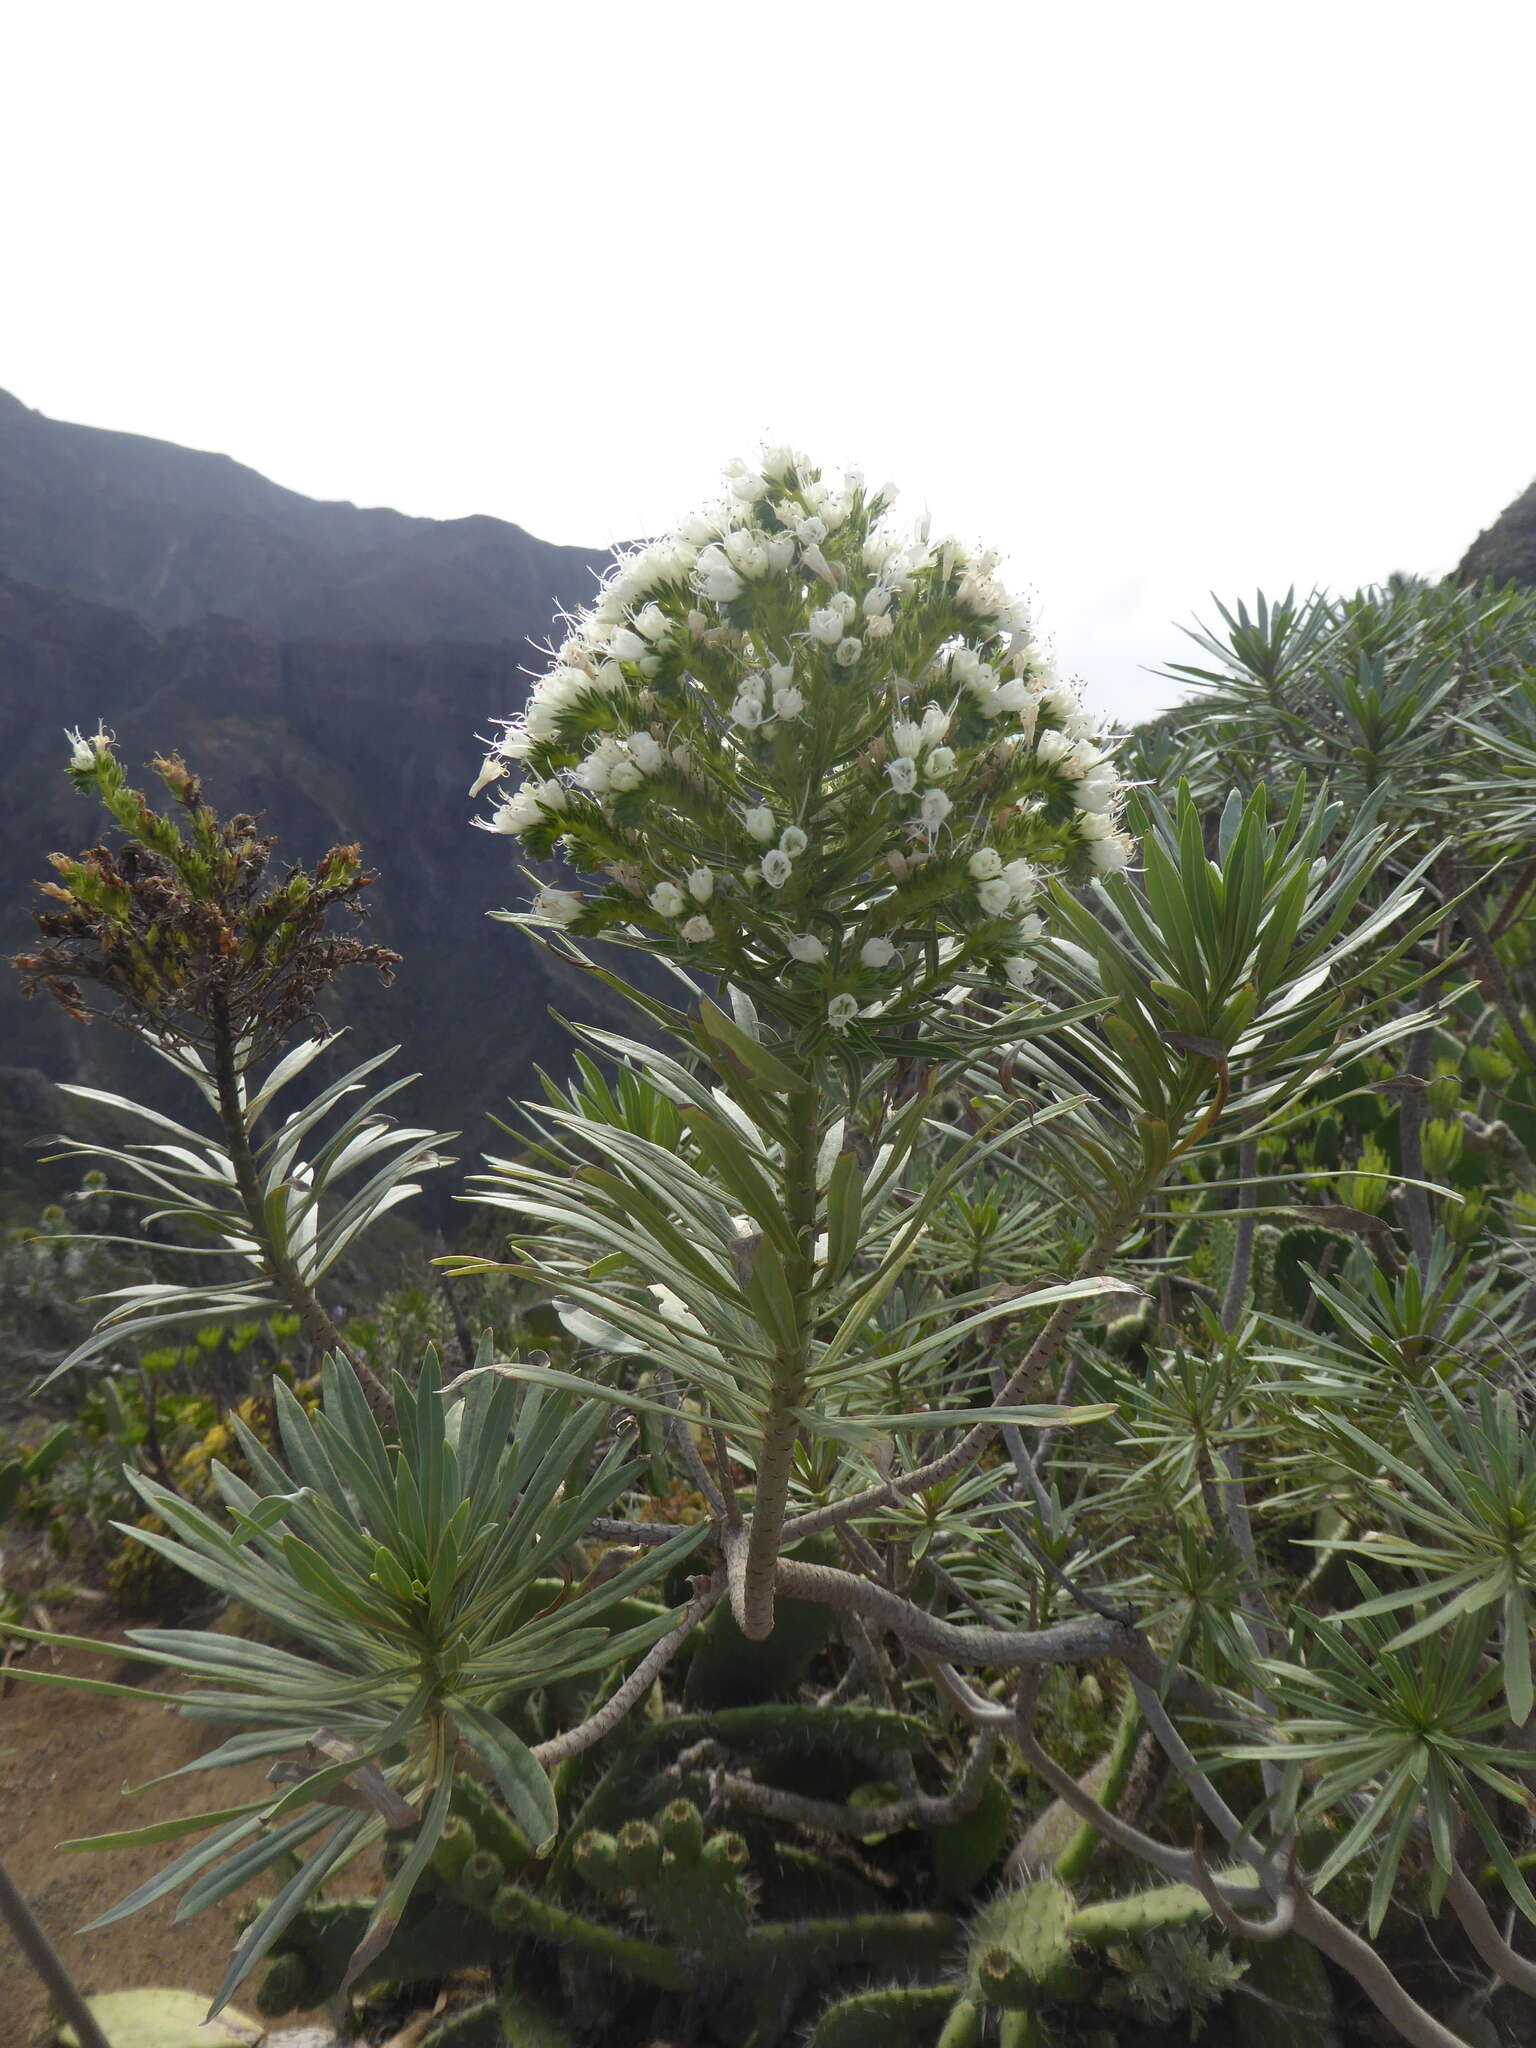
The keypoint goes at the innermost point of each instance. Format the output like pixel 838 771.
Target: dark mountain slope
pixel 1506 551
pixel 332 742
pixel 327 666
pixel 174 534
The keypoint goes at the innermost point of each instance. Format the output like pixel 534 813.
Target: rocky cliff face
pixel 1506 551
pixel 326 666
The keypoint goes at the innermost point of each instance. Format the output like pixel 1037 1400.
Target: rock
pixel 1506 551
pixel 167 2019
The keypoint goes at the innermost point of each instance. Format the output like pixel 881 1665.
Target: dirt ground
pixel 65 1759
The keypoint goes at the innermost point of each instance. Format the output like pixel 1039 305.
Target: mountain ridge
pixel 324 665
pixel 175 533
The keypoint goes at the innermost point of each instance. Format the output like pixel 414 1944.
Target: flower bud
pixel 560 906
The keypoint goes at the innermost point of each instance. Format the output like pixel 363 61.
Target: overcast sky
pixel 1159 299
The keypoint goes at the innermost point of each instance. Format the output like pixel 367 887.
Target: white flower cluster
pixel 820 757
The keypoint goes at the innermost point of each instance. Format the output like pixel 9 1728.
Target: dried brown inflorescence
pixel 182 933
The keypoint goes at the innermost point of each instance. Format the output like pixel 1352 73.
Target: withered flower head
pixel 182 928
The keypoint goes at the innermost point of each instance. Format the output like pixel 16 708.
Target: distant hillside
pixel 324 665
pixel 1506 551
pixel 173 535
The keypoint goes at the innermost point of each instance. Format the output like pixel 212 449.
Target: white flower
pixel 878 629
pixel 995 897
pixel 647 753
pixel 777 868
pixel 85 753
pixel 788 702
pixel 844 604
pixel 877 953
pixel 515 739
pixel 841 1011
pixel 714 577
pixel 906 738
pixel 1023 878
pixel 879 548
pixel 524 807
pixel 747 712
pixel 778 459
pixel 903 774
pixel 793 841
pixel 934 808
pixel 697 930
pixel 1053 748
pixel 877 601
pixel 595 769
pixel 1019 970
pixel 935 724
pixel 1111 856
pixel 667 900
pixel 779 549
pixel 811 530
pixel 701 885
pixel 941 762
pixel 1097 789
pixel 1012 695
pixel 825 627
pixel 984 863
pixel 1028 929
pixel 490 768
pixel 624 776
pixel 653 623
pixel 560 906
pixel 806 947
pixel 781 675
pixel 759 822
pixel 1095 825
pixel 749 487
pixel 746 551
pixel 625 645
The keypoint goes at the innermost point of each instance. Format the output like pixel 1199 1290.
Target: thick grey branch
pixel 635 1687
pixel 1506 1963
pixel 921 1810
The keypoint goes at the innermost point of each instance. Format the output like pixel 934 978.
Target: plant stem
pixel 1410 1145
pixel 1020 1386
pixel 752 1586
pixel 319 1328
pixel 45 1959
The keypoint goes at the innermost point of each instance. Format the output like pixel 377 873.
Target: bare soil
pixel 65 1761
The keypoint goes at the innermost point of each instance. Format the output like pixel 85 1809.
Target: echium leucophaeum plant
pixel 824 764
pixel 806 753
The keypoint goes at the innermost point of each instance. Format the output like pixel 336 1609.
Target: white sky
pixel 1158 298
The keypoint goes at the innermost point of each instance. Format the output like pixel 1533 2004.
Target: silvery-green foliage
pixel 411 1582
pixel 327 1171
